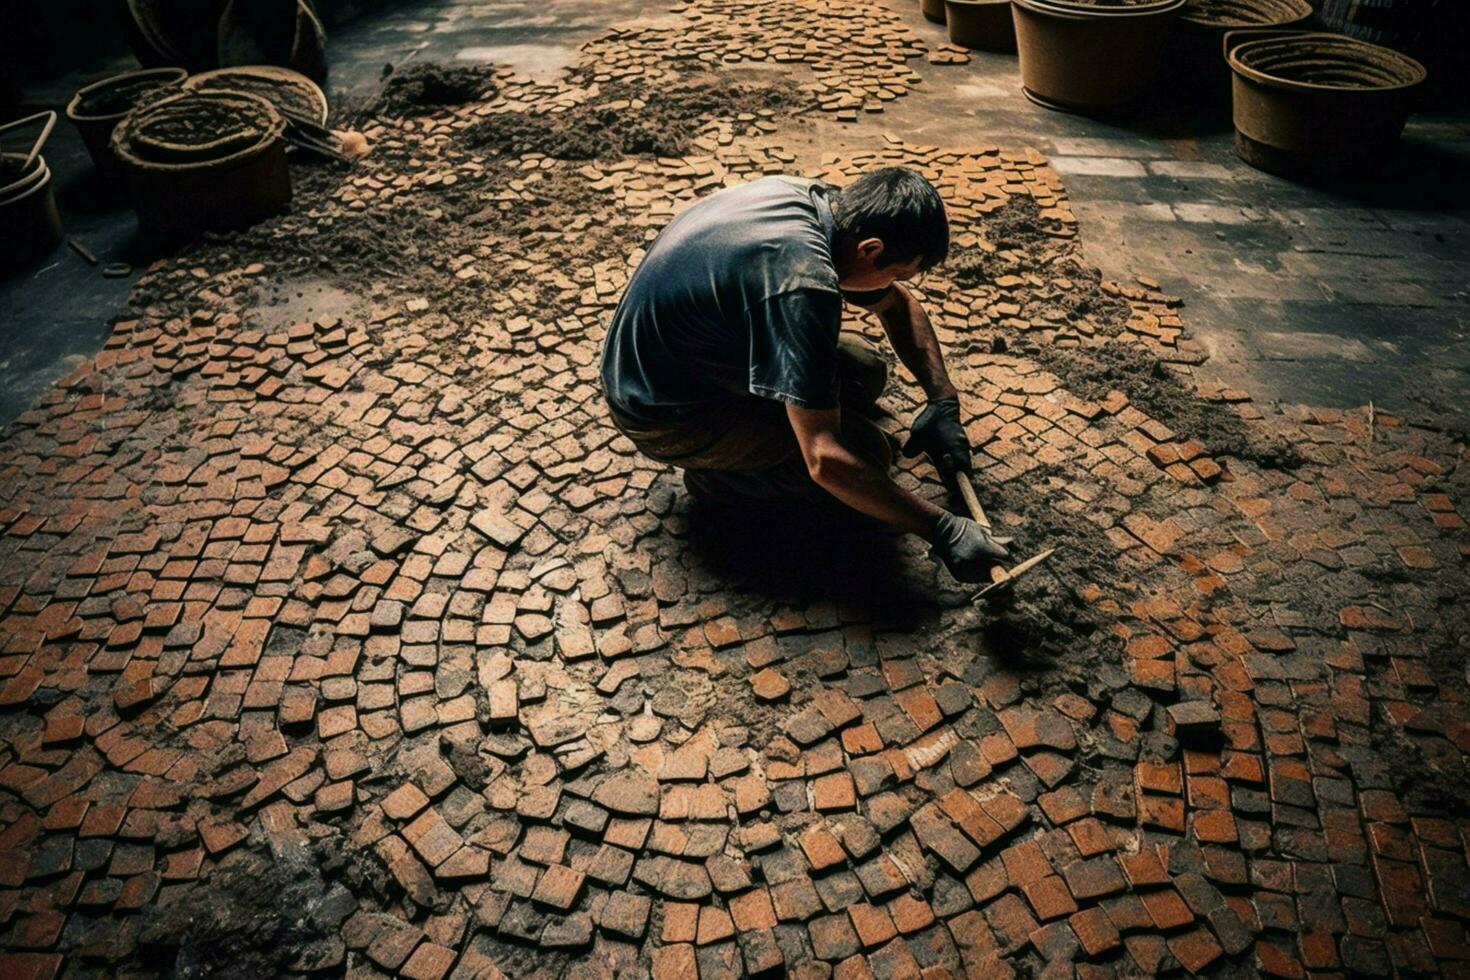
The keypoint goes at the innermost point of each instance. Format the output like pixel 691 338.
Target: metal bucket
pixel 1318 105
pixel 203 161
pixel 117 95
pixel 1090 59
pixel 984 25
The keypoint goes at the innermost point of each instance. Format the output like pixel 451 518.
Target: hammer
pixel 1001 581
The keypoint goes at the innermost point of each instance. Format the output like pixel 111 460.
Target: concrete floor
pixel 1299 294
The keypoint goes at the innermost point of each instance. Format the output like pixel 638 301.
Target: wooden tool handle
pixel 972 502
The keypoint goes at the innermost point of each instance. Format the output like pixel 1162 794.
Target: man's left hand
pixel 938 432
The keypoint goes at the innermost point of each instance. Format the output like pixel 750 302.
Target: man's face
pixel 865 274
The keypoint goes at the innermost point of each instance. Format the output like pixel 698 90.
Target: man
pixel 725 355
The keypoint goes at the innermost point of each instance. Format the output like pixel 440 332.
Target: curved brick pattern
pixel 378 611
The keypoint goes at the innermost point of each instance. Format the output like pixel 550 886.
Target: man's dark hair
pixel 900 208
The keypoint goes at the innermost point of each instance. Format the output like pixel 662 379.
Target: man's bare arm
pixel 913 340
pixel 854 480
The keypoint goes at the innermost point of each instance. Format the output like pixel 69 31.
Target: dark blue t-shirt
pixel 738 295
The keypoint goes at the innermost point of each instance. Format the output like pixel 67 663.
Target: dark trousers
pixel 744 447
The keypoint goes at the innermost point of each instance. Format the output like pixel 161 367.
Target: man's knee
pixel 860 368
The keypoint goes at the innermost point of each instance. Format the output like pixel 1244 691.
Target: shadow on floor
pixel 806 553
pixel 1421 176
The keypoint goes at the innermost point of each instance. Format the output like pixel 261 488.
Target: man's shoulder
pixel 770 193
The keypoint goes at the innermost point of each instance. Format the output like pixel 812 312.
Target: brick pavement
pixel 366 645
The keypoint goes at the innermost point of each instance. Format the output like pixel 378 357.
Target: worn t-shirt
pixel 737 296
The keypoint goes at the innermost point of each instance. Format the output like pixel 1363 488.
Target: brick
pixel 674 962
pixel 822 849
pixel 429 961
pixel 833 937
pixel 559 887
pixel 715 925
pixel 910 914
pixel 753 910
pixel 1095 931
pixel 1195 950
pixel 834 792
pixel 626 915
pixel 1049 897
pixel 873 925
pixel 770 685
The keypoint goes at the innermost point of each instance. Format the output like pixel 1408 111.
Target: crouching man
pixel 726 357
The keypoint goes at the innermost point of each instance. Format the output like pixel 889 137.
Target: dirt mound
pixel 1091 372
pixel 420 89
pixel 1043 616
pixel 624 119
pixel 261 914
pixel 1024 245
pixel 423 242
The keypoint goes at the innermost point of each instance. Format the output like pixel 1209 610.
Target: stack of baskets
pixel 29 224
pixel 196 153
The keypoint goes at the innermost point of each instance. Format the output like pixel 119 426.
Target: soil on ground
pixel 625 119
pixel 416 90
pixel 1024 244
pixel 1091 372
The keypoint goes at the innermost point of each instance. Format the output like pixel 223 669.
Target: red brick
pixel 429 961
pixel 910 914
pixel 1167 909
pixel 753 910
pixel 1195 949
pixel 873 925
pixel 680 922
pixel 674 962
pixel 1049 897
pixel 822 849
pixel 559 887
pixel 834 792
pixel 1095 931
pixel 714 925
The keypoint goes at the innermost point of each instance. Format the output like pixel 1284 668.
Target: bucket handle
pixel 1245 34
pixel 50 117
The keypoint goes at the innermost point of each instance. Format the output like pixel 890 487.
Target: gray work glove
pixel 938 432
pixel 967 549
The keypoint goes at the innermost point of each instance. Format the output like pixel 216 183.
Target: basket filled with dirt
pixel 292 93
pixel 96 109
pixel 204 161
pixel 1195 59
pixel 1316 105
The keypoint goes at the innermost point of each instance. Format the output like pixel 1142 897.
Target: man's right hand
pixel 967 549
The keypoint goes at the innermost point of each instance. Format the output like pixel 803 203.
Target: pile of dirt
pixel 418 246
pixel 420 89
pixel 431 233
pixel 260 914
pixel 1092 372
pixel 1044 617
pixel 626 119
pixel 1024 244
